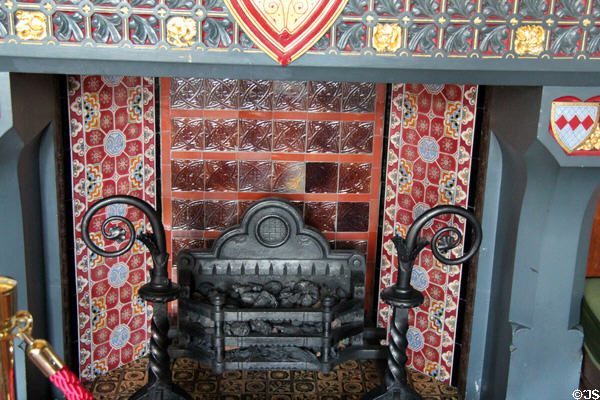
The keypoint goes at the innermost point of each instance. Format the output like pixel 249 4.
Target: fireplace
pixel 521 274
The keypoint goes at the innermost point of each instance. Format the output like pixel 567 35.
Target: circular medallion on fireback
pixel 272 231
pixel 428 148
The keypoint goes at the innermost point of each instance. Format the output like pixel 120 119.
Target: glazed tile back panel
pixel 226 143
pixel 429 163
pixel 111 121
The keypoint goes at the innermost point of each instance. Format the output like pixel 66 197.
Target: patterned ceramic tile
pixel 289 136
pixel 221 175
pixel 321 177
pixel 288 177
pixel 358 97
pixel 355 178
pixel 255 176
pixel 429 163
pixel 357 137
pixel 353 217
pixel 323 137
pixel 187 93
pixel 256 95
pixel 187 175
pixel 255 135
pixel 221 134
pixel 187 134
pixel 324 96
pixel 254 139
pixel 221 94
pixel 289 96
pixel 112 152
pixel 320 215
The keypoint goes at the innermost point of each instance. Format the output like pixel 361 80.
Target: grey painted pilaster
pixel 12 252
pixel 526 343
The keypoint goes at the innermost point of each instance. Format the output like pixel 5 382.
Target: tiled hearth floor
pixel 349 381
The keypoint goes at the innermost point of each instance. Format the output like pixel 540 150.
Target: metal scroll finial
pixel 403 296
pixel 160 290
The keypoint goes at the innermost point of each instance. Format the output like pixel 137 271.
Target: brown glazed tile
pixel 179 244
pixel 353 217
pixel 289 96
pixel 221 94
pixel 298 205
pixel 221 134
pixel 188 214
pixel 187 175
pixel 324 96
pixel 288 177
pixel 355 178
pixel 187 134
pixel 243 206
pixel 186 93
pixel 255 176
pixel 357 137
pixel 323 137
pixel 256 95
pixel 358 245
pixel 289 136
pixel 320 215
pixel 358 97
pixel 321 177
pixel 220 176
pixel 220 214
pixel 255 135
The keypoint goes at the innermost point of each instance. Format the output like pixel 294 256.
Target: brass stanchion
pixel 8 303
pixel 18 325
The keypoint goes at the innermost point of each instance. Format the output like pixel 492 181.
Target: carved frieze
pixel 469 29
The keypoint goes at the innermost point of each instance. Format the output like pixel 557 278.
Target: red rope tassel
pixel 68 383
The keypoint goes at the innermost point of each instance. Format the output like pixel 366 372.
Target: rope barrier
pixel 68 383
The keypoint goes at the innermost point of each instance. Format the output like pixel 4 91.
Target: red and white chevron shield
pixel 285 29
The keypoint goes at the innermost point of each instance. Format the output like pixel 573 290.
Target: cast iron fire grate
pixel 271 294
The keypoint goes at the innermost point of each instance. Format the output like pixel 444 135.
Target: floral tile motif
pixel 112 152
pixel 428 163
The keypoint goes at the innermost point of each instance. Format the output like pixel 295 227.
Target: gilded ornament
pixel 387 37
pixel 181 31
pixel 31 25
pixel 529 40
pixel 593 142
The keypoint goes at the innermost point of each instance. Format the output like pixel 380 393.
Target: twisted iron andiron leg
pixel 159 291
pixel 403 296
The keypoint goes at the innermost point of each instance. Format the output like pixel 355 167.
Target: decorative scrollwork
pixel 117 233
pixel 446 238
pixel 402 296
pixel 160 290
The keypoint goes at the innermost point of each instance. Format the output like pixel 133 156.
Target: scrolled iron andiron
pixel 160 290
pixel 403 296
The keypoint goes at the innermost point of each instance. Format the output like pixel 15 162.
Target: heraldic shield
pixel 285 29
pixel 573 122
